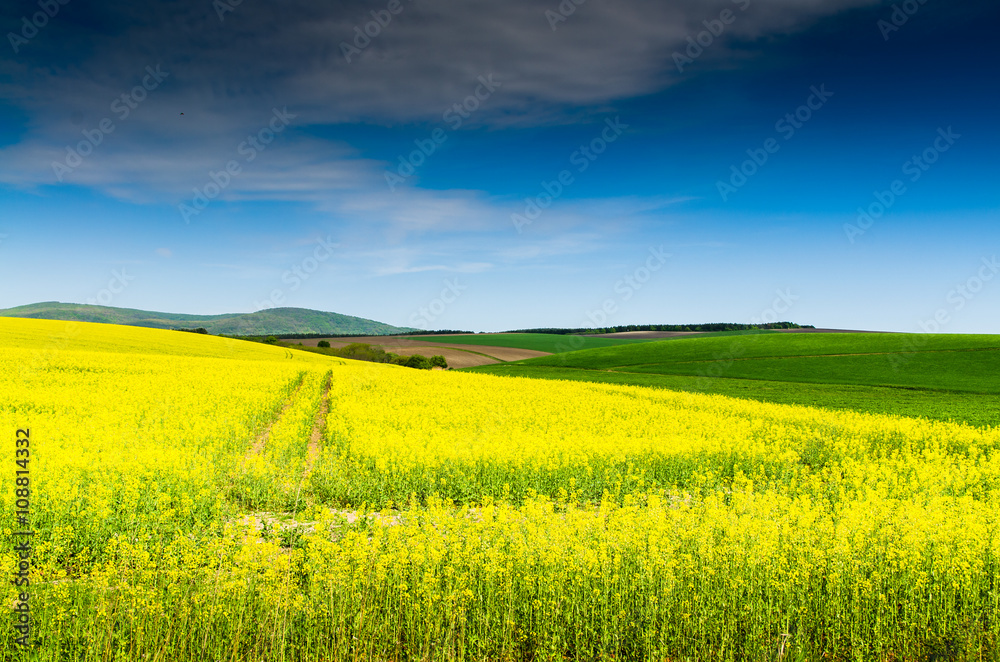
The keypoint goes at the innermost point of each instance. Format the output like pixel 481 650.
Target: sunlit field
pixel 197 498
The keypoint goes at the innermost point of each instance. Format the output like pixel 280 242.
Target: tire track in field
pixel 261 439
pixel 319 426
pixel 258 520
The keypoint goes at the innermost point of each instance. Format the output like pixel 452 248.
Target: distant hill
pixel 274 321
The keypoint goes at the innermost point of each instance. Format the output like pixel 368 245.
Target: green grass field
pixel 558 344
pixel 946 377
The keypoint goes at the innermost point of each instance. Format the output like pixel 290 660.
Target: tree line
pixel 701 328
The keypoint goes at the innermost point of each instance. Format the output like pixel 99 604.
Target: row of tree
pixel 702 328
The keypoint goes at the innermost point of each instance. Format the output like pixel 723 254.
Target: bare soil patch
pixel 642 335
pixel 457 356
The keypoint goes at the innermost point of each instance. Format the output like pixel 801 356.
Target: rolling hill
pixel 273 321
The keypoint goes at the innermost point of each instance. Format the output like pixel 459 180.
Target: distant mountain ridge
pixel 273 321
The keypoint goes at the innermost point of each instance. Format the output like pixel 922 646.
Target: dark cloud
pixel 226 71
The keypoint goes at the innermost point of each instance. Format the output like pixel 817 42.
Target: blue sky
pixel 309 219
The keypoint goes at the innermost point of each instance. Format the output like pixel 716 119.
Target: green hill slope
pixel 944 376
pixel 274 321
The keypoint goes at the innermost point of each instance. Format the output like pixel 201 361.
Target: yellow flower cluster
pixel 463 436
pixel 192 501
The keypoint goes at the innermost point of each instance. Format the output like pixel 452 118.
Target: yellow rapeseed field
pixel 199 498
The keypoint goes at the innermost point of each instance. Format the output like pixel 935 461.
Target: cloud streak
pixel 225 76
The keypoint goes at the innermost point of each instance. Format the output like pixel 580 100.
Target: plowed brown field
pixel 457 356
